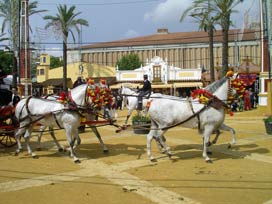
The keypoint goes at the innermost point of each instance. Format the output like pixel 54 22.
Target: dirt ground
pixel 241 175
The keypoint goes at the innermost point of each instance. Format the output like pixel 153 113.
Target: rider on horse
pixel 145 90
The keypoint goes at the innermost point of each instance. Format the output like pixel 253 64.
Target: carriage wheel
pixel 8 140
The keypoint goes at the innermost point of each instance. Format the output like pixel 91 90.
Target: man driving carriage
pixel 144 91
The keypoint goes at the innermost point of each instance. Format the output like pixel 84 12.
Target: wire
pixel 106 4
pixel 146 41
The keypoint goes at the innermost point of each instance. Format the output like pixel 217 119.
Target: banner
pixel 247 79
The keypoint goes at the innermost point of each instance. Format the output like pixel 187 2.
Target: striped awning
pixel 161 86
pixel 188 84
pixel 129 85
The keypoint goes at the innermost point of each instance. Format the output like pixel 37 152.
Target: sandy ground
pixel 239 175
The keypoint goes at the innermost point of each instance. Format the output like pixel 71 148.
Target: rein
pixel 213 102
pixel 73 104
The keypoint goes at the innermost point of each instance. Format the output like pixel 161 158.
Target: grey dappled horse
pixel 52 114
pixel 89 117
pixel 167 112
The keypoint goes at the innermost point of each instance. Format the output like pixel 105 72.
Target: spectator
pixel 234 106
pixel 78 82
pixel 15 97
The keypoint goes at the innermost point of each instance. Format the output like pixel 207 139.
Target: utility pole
pixel 24 52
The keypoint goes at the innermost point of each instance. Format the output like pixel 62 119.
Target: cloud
pixel 131 33
pixel 167 11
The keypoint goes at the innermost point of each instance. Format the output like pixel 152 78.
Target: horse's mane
pixel 215 85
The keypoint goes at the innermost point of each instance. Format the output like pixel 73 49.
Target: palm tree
pixel 9 10
pixel 202 13
pixel 224 9
pixel 66 20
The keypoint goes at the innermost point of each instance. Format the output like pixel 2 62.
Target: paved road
pixel 238 175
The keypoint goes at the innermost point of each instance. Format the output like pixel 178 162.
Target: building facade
pixel 186 50
pixel 165 78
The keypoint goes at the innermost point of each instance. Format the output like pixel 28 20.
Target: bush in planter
pixel 141 124
pixel 268 124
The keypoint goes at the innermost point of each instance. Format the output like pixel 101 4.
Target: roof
pixel 248 67
pixel 57 82
pixel 174 38
pixel 109 80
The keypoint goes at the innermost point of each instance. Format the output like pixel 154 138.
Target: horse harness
pixel 213 102
pixel 40 117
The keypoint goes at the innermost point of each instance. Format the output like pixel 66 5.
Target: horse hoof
pixel 105 151
pixel 16 154
pixel 153 160
pixel 209 161
pixel 169 155
pixel 229 146
pixel 209 152
pixel 163 151
pixel 77 161
pixel 61 150
pixel 34 156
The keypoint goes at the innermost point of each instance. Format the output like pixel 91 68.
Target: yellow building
pixel 52 79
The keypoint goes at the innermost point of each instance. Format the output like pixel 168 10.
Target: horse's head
pixel 79 96
pixel 221 88
pixel 125 90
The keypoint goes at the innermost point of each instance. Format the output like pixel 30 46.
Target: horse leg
pixel 217 134
pixel 97 134
pixel 126 121
pixel 206 138
pixel 18 135
pixel 233 134
pixel 52 133
pixel 149 138
pixel 76 138
pixel 42 128
pixel 27 139
pixel 161 142
pixel 71 142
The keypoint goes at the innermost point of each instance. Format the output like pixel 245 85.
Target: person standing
pixel 78 82
pixel 15 97
pixel 145 90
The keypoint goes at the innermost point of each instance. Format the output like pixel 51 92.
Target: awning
pixel 57 82
pixel 161 86
pixel 129 85
pixel 115 86
pixel 188 84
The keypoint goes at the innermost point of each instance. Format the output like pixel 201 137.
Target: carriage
pixel 8 122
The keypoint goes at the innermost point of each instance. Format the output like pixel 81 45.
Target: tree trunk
pixel 65 66
pixel 225 53
pixel 212 77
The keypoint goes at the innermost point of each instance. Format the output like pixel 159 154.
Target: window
pixel 41 71
pixel 43 60
pixel 157 73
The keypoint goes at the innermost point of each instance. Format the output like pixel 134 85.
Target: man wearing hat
pixel 15 97
pixel 145 90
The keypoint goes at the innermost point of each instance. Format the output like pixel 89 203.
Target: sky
pixel 111 20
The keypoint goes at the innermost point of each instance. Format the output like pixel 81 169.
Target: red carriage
pixel 8 122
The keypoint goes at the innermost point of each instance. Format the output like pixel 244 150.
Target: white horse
pixel 130 99
pixel 130 96
pixel 89 117
pixel 52 114
pixel 168 112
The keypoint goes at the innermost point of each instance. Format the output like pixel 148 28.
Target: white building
pixel 165 78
